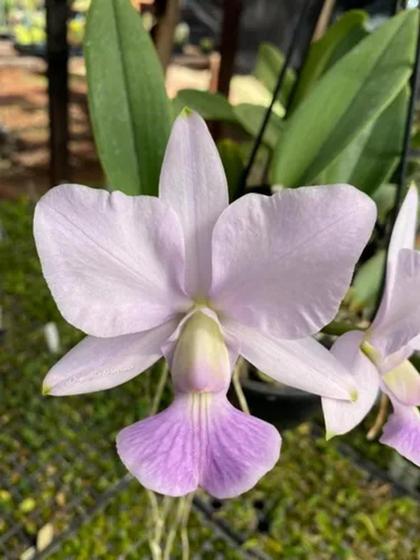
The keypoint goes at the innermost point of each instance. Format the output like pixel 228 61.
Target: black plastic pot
pixel 282 406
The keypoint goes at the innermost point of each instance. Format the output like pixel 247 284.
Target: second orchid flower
pixel 378 359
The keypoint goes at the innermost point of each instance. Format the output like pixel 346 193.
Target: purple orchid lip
pixel 201 440
pixel 129 271
pixel 402 432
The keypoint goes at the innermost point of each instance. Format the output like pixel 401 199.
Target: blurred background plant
pixel 294 93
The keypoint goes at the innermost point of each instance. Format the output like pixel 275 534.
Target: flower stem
pixel 154 539
pixel 181 519
pixel 337 328
pixel 380 418
pixel 159 390
pixel 236 381
pixel 158 514
pixel 300 26
pixel 185 542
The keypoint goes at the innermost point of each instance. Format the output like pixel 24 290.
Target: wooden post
pixel 165 31
pixel 57 74
pixel 324 19
pixel 229 42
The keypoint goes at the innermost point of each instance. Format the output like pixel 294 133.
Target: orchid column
pixel 188 277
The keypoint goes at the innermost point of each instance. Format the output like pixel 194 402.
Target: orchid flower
pixel 378 359
pixel 198 281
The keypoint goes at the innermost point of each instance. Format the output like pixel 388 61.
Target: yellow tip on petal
pixel 46 390
pixel 186 112
pixel 329 435
pixel 354 395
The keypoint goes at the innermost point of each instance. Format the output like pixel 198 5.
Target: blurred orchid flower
pixel 378 359
pixel 200 282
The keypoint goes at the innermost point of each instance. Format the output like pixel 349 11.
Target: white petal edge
pixel 404 231
pixel 398 321
pixel 402 237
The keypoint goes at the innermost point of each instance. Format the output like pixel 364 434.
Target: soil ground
pixel 24 153
pixel 24 150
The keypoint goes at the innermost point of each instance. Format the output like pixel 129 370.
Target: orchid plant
pixel 378 358
pixel 196 280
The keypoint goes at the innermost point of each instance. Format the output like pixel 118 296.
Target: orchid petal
pixel 114 263
pixel 404 231
pixel 404 383
pixel 101 363
pixel 304 364
pixel 394 360
pixel 402 237
pixel 193 183
pixel 277 262
pixel 414 344
pixel 398 321
pixel 340 416
pixel 199 440
pixel 402 432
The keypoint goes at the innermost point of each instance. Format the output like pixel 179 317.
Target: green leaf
pixel 250 118
pixel 211 106
pixel 367 282
pixel 345 100
pixel 269 63
pixel 337 41
pixel 370 159
pixel 230 154
pixel 127 100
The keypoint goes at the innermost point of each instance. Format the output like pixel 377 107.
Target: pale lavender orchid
pixel 378 359
pixel 188 277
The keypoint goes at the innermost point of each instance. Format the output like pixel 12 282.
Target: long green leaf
pixel 384 198
pixel 337 41
pixel 350 96
pixel 230 155
pixel 367 282
pixel 250 117
pixel 369 160
pixel 269 63
pixel 127 100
